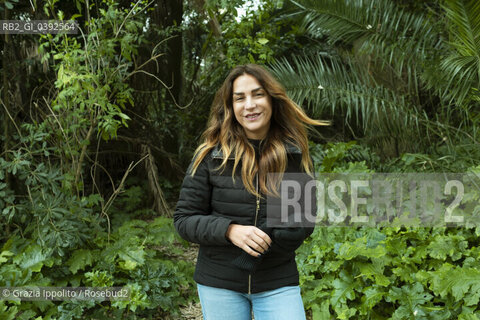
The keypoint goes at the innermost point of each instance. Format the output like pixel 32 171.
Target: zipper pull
pixel 258 203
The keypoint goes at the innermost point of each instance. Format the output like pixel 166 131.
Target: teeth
pixel 252 115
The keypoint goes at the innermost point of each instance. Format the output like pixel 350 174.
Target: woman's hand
pixel 250 239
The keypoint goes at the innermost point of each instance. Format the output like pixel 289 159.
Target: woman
pixel 244 266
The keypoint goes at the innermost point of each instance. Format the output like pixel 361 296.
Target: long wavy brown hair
pixel 287 126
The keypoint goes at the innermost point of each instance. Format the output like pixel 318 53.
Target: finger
pixel 250 251
pixel 265 237
pixel 263 244
pixel 257 244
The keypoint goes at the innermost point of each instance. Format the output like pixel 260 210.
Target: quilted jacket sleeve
pixel 192 218
pixel 288 239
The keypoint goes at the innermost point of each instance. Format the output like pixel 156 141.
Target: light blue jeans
pixel 279 304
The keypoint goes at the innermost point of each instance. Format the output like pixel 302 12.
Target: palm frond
pixel 385 30
pixel 332 89
pixel 395 67
pixel 461 68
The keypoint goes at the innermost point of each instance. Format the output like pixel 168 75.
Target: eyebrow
pixel 253 91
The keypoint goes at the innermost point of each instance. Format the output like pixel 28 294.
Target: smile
pixel 252 116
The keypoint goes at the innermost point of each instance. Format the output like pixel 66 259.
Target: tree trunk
pixel 6 102
pixel 169 13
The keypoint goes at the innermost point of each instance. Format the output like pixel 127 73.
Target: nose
pixel 249 103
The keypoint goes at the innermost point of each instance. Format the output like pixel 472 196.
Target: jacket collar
pixel 218 154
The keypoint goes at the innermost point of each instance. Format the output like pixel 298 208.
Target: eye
pixel 259 94
pixel 238 99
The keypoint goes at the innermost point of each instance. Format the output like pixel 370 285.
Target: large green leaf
pixel 33 258
pixel 79 260
pixel 462 283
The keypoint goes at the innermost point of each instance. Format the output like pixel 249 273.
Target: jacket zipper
pixel 254 224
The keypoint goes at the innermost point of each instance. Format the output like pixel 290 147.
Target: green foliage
pixel 136 256
pixel 464 54
pixel 389 272
pixel 49 214
pixel 332 90
pixel 54 232
pixel 399 43
pixel 258 37
pixel 133 257
pixel 91 77
pixel 376 79
pixel 343 157
pixel 8 5
pixel 59 240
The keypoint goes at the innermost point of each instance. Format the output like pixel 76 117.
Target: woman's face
pixel 252 106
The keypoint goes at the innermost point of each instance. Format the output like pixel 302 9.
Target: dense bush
pixel 389 272
pixel 59 239
pixel 61 229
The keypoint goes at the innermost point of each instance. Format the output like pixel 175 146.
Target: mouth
pixel 252 116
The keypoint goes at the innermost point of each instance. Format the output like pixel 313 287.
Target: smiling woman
pixel 252 106
pixel 244 266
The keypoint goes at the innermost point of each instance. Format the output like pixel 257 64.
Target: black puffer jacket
pixel 209 202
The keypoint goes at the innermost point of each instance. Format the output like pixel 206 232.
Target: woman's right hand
pixel 250 239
